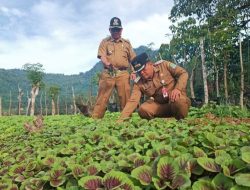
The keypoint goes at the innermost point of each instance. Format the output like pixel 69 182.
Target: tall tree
pixel 35 74
pixel 20 94
pixel 53 92
pixel 204 70
pixel 241 76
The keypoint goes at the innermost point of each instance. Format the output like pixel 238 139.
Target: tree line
pixel 29 90
pixel 211 40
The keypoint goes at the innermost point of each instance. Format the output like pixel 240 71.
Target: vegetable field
pixel 209 150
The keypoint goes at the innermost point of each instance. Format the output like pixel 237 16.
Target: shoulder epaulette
pixel 159 62
pixel 107 38
pixel 137 79
pixel 126 40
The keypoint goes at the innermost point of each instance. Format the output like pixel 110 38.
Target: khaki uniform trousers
pixel 178 109
pixel 106 84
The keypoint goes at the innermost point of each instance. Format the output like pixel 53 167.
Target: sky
pixel 64 35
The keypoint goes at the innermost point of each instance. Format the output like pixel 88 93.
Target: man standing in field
pixel 116 54
pixel 165 85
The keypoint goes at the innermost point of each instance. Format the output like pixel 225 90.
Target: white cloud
pixel 151 29
pixel 10 12
pixel 64 35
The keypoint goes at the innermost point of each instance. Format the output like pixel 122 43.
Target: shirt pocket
pixel 110 50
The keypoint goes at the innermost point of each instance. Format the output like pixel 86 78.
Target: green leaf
pixel 222 158
pixel 214 139
pixel 220 181
pixel 243 179
pixel 238 187
pixel 198 152
pixel 245 154
pixel 208 164
pixel 203 185
pixel 143 174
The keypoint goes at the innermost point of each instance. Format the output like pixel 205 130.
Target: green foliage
pixel 54 91
pixel 75 152
pixel 35 73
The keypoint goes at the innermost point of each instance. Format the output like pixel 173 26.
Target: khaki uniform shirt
pixel 173 76
pixel 119 53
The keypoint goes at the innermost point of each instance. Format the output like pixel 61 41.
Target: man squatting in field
pixel 165 85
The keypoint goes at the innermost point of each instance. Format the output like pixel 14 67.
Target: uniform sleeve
pixel 102 49
pixel 132 54
pixel 180 74
pixel 132 103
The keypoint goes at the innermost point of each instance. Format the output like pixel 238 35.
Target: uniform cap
pixel 115 22
pixel 139 62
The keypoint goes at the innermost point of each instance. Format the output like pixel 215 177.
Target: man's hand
pixel 132 76
pixel 175 95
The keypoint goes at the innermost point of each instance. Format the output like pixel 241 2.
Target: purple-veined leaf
pixel 183 161
pixel 13 187
pixel 77 170
pixel 233 167
pixel 93 169
pixel 208 164
pixel 160 184
pixel 152 154
pixel 21 158
pixel 151 135
pixel 181 181
pixel 49 160
pixel 116 179
pixel 143 174
pixel 31 166
pixel 17 169
pixel 20 178
pixel 56 182
pixel 37 183
pixel 90 182
pixel 140 161
pixel 194 167
pixel 57 172
pixel 167 168
pixel 133 157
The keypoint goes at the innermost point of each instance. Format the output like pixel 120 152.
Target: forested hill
pixel 82 83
